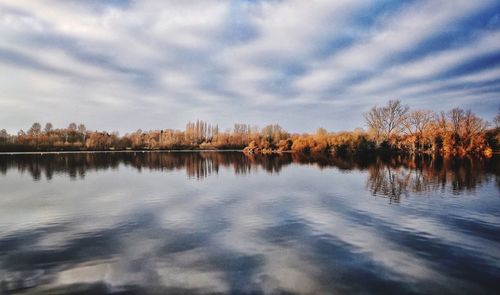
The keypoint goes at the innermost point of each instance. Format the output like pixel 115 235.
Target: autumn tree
pixel 3 136
pixel 34 132
pixel 465 132
pixel 472 131
pixel 199 131
pixel 457 132
pixel 241 134
pixel 416 124
pixel 273 133
pixel 456 118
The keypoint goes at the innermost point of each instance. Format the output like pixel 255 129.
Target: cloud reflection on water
pixel 246 225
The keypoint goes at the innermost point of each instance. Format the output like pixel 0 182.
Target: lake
pixel 224 222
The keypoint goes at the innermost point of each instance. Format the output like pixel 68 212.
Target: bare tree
pixel 442 122
pixel 388 120
pixel 72 127
pixel 48 128
pixel 82 129
pixel 465 127
pixel 375 120
pixel 395 116
pixel 273 133
pixel 35 129
pixel 472 126
pixel 3 136
pixel 418 121
pixel 456 117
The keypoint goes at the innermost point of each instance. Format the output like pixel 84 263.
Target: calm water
pixel 211 223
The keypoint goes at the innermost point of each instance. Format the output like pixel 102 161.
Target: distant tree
pixel 417 123
pixel 456 117
pixel 442 122
pixel 321 132
pixel 274 133
pixel 35 129
pixel 375 120
pixel 388 120
pixel 454 133
pixel 72 127
pixel 81 128
pixel 472 129
pixel 497 119
pixel 48 128
pixel 72 133
pixel 465 133
pixel 3 136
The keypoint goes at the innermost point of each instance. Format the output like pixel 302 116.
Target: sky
pixel 125 64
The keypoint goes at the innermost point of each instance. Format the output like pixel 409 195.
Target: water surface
pixel 217 223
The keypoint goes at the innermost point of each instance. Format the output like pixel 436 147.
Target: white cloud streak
pixel 161 63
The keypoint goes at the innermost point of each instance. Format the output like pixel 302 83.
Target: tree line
pixel 75 137
pixel 392 128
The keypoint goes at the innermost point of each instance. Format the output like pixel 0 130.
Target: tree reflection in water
pixel 391 177
pixel 304 232
pixel 396 177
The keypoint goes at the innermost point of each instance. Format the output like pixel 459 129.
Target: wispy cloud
pixel 153 64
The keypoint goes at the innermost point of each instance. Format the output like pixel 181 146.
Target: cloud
pixel 125 65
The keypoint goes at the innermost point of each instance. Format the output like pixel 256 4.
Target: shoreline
pixel 243 151
pixel 117 151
